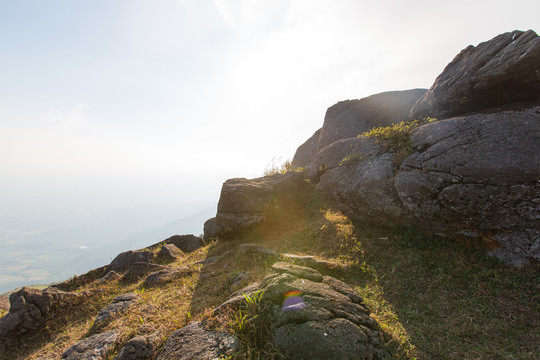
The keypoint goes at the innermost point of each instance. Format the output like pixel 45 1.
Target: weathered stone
pixel 331 339
pixel 110 276
pixel 96 347
pixel 299 271
pixel 339 152
pixel 139 270
pixel 505 69
pixel 164 276
pixel 306 152
pixel 123 261
pixel 169 253
pixel 119 305
pixel 242 201
pixel 477 175
pixel 186 243
pixel 350 118
pixel 29 309
pixel 195 342
pixel 142 347
pixel 210 229
pixel 259 249
pixel 365 190
pixel 321 318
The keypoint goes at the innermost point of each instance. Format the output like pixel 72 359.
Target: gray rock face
pixel 503 70
pixel 315 316
pixel 210 229
pixel 123 261
pixel 169 253
pixel 119 305
pixel 195 342
pixel 96 347
pixel 142 347
pixel 474 176
pixel 350 118
pixel 29 309
pixel 242 201
pixel 186 243
pixel 306 152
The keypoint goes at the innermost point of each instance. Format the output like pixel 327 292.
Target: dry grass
pixel 433 298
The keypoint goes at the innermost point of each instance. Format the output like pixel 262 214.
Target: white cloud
pixel 74 115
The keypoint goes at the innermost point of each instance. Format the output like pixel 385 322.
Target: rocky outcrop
pixel 164 276
pixel 169 253
pixel 475 176
pixel 123 261
pixel 243 201
pixel 30 308
pixel 186 243
pixel 503 70
pixel 194 341
pixel 119 305
pixel 96 347
pixel 344 121
pixel 314 316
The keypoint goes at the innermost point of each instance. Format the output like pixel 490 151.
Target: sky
pixel 157 103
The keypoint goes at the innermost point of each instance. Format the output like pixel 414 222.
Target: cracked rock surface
pixel 476 175
pixel 315 317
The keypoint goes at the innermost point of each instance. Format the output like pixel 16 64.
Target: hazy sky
pixel 170 97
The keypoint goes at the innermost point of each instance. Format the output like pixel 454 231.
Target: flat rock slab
pixel 195 342
pixel 119 305
pixel 299 271
pixel 97 347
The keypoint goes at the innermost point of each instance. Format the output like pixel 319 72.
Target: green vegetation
pixel 397 137
pixel 280 167
pixel 433 298
pixel 352 159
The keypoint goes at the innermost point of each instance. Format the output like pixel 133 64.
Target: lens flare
pixel 293 301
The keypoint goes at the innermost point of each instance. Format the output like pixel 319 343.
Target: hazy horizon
pixel 115 115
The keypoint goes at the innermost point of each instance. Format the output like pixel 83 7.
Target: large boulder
pixel 243 201
pixel 141 347
pixel 210 229
pixel 503 70
pixel 123 261
pixel 475 176
pixel 186 243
